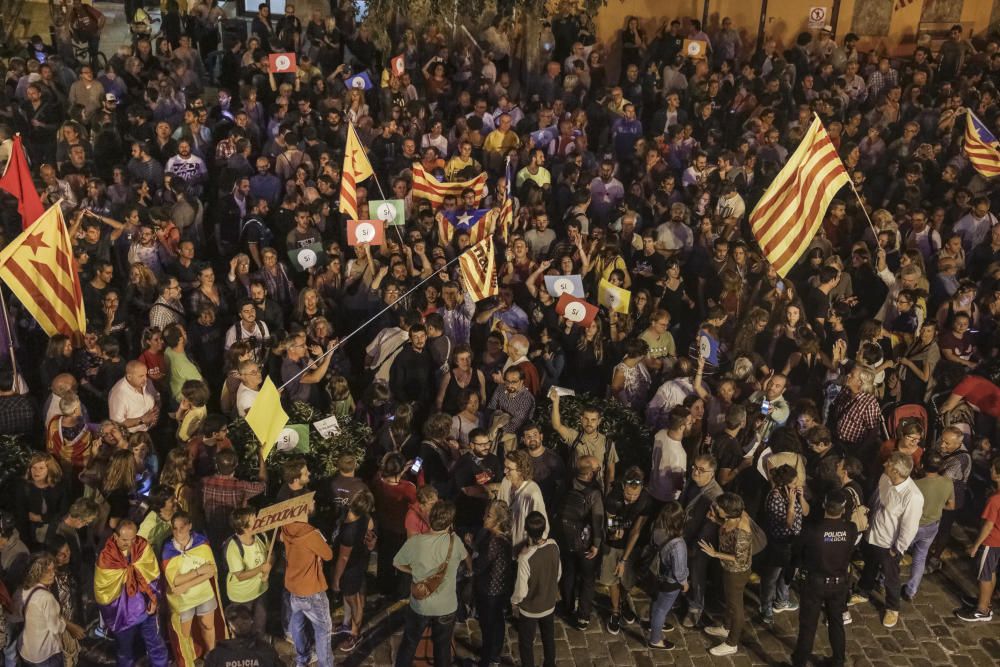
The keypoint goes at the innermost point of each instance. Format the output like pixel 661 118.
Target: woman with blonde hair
pixel 118 486
pixel 176 476
pixel 41 498
pixel 41 642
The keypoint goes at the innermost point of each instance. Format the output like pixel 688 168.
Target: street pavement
pixel 928 635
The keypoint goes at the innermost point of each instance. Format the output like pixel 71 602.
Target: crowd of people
pixel 795 422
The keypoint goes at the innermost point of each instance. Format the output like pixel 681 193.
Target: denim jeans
pixel 54 661
pixel 921 545
pixel 314 608
pixel 662 605
pixel 156 648
pixel 773 589
pixel 442 629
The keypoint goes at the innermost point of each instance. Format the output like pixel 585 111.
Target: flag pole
pixel 377 184
pixel 853 189
pixel 372 319
pixel 10 337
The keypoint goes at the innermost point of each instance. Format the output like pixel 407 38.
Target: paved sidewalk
pixel 927 635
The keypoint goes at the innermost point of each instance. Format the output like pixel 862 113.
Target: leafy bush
pixel 620 424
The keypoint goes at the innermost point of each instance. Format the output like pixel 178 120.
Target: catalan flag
pixel 981 147
pixel 479 270
pixel 425 186
pixel 39 268
pixel 356 169
pixel 17 181
pixel 787 217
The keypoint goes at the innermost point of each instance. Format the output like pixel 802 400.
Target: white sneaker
pixel 716 631
pixel 723 649
pixel 847 618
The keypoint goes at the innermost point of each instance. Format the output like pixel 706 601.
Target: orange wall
pixel 785 19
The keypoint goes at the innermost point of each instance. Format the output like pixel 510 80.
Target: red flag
pixel 17 181
pixel 398 65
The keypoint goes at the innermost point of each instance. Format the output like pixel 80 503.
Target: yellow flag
pixel 613 298
pixel 356 169
pixel 266 417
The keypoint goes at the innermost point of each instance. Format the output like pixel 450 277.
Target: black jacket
pixel 242 653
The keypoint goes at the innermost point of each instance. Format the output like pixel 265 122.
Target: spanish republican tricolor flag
pixel 39 268
pixel 356 169
pixel 177 562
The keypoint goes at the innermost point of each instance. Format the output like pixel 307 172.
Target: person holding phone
pixel 784 510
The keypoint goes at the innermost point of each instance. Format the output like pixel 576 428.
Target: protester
pixel 660 310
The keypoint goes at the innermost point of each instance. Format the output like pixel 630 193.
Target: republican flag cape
pixel 175 563
pixel 124 586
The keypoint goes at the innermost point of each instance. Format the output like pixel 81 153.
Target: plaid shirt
pixel 879 83
pixel 519 406
pixel 221 494
pixel 854 416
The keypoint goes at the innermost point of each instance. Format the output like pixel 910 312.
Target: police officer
pixel 244 648
pixel 826 555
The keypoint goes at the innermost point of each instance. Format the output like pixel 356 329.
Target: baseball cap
pixel 111 97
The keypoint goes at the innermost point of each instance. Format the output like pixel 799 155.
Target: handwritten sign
pixel 371 232
pixel 279 514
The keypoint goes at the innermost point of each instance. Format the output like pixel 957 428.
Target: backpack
pixel 649 568
pixel 573 521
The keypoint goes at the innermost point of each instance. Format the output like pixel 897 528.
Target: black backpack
pixel 573 522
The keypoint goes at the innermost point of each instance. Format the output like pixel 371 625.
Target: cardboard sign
pixel 371 232
pixel 327 427
pixel 308 257
pixel 696 49
pixel 281 63
pixel 390 211
pixel 279 514
pixel 575 310
pixel 398 65
pixel 613 298
pixel 559 285
pixel 817 17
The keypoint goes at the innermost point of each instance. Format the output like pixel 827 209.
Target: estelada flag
pixel 371 232
pixel 576 310
pixel 613 298
pixel 981 147
pixel 479 270
pixel 17 181
pixel 39 268
pixel 356 169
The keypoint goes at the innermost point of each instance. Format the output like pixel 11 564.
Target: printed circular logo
pixel 357 82
pixel 307 258
pixel 288 440
pixel 575 312
pixel 386 212
pixel 364 232
pixel 282 62
pixel 563 286
pixel 705 347
pixel 694 48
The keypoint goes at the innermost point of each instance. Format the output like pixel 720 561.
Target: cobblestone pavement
pixel 928 634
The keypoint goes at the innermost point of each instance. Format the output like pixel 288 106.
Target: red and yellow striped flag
pixel 39 268
pixel 479 270
pixel 792 208
pixel 356 169
pixel 425 186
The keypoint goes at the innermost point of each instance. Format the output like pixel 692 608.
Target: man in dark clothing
pixel 579 529
pixel 697 499
pixel 548 468
pixel 244 649
pixel 472 473
pixel 826 555
pixel 410 377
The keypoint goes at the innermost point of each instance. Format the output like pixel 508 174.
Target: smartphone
pixel 765 407
pixel 780 286
pixel 417 464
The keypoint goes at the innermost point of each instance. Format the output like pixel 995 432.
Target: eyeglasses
pixel 701 470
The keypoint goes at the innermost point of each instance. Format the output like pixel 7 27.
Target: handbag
pixel 758 538
pixel 423 589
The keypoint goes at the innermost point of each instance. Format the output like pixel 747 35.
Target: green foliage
pixel 623 426
pixel 14 454
pixel 323 452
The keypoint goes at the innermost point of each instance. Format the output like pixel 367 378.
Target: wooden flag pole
pixel 864 210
